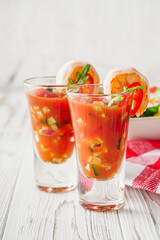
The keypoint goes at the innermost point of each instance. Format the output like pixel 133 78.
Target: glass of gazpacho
pixel 53 138
pixel 100 123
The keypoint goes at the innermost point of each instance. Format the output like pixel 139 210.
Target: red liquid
pixel 100 133
pixel 52 126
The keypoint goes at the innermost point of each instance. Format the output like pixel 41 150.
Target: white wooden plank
pixel 136 220
pixel 153 202
pixel 12 143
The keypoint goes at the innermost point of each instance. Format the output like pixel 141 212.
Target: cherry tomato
pixel 137 98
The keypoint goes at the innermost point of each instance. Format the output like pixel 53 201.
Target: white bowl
pixel 144 128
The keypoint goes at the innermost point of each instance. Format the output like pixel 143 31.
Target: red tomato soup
pixel 100 134
pixel 52 126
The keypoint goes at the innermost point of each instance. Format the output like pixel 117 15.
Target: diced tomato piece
pixel 61 131
pixel 40 92
pixel 49 94
pixel 153 89
pixel 137 98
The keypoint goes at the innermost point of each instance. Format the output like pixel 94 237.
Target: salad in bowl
pixel 147 126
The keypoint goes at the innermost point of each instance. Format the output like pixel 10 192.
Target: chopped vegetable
pixel 81 122
pixel 54 126
pixel 41 121
pixel 54 90
pixel 39 114
pixel 57 160
pixel 49 89
pixel 96 169
pixel 50 121
pixel 45 110
pixel 46 132
pixel 90 149
pixel 97 145
pixel 106 166
pixel 98 106
pixel 36 108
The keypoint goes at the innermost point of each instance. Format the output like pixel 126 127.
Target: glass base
pixel 57 190
pixel 55 178
pixel 102 195
pixel 100 208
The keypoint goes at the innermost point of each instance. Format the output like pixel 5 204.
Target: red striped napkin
pixel 143 165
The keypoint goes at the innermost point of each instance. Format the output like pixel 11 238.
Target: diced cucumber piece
pixel 49 89
pixel 36 108
pixel 96 169
pixel 41 121
pixel 54 126
pixel 90 149
pixel 45 110
pixel 81 122
pixel 54 90
pixel 39 114
pixel 57 160
pixel 50 121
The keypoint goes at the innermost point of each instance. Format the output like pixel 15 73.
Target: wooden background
pixel 36 38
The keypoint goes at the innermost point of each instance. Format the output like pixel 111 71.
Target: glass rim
pixel 29 82
pixel 70 93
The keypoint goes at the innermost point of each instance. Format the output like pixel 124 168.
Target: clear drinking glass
pixel 100 123
pixel 53 138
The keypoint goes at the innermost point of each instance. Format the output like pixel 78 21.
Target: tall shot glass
pixel 53 138
pixel 100 124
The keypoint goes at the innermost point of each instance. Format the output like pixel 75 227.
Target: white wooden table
pixel 28 213
pixel 36 38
